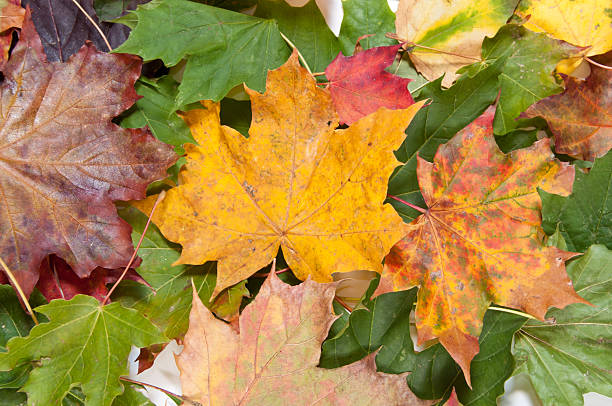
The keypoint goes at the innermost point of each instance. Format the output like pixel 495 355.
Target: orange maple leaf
pixel 479 240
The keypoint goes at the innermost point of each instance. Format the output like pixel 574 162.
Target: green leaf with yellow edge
pixel 222 48
pixel 168 305
pixel 455 27
pixel 83 344
pixel 569 354
pixel 296 182
pixel 479 239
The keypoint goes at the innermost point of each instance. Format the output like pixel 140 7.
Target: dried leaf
pixel 273 360
pixel 11 17
pixel 452 26
pixel 64 162
pixel 359 84
pixel 581 117
pixel 478 241
pixel 295 182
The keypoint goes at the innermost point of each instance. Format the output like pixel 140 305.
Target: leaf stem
pixel 318 74
pixel 19 290
pixel 167 392
pixel 97 27
pixel 265 274
pixel 343 304
pixel 412 44
pixel 597 63
pixel 511 311
pixel 292 45
pixel 160 197
pixel 412 206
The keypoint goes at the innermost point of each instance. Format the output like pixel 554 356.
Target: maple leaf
pixel 570 355
pixel 83 344
pixel 585 23
pixel 295 182
pixel 581 117
pixel 222 48
pixel 585 217
pixel 274 357
pixel 365 17
pixel 359 84
pixel 64 162
pixel 455 27
pixel 478 240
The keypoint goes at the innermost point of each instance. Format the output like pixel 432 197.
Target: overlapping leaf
pixel 365 17
pixel 359 84
pixel 384 323
pixel 586 23
pixel 295 183
pixel 83 344
pixel 12 17
pixel 527 75
pixel 585 217
pixel 448 112
pixel 64 162
pixel 274 358
pixel 305 27
pixel 168 302
pixel 581 117
pixel 477 242
pixel 223 48
pixel 455 27
pixel 570 354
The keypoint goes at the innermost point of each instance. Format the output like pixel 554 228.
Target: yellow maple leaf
pixel 296 183
pixel 586 23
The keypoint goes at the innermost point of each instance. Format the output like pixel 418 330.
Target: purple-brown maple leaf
pixel 63 162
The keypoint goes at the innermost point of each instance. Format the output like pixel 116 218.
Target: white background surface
pixel 165 374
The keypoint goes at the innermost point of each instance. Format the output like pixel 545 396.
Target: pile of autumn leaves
pixel 314 189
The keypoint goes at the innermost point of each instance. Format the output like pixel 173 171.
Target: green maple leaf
pixel 384 324
pixel 222 48
pixel 527 75
pixel 365 17
pixel 306 28
pixel 585 217
pixel 168 306
pixel 156 110
pixel 449 111
pixel 83 344
pixel 570 355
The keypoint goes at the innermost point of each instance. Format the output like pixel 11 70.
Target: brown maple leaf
pixel 296 183
pixel 580 118
pixel 359 84
pixel 63 161
pixel 273 359
pixel 479 240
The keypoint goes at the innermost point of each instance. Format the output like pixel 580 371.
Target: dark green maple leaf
pixel 585 217
pixel 384 324
pixel 222 48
